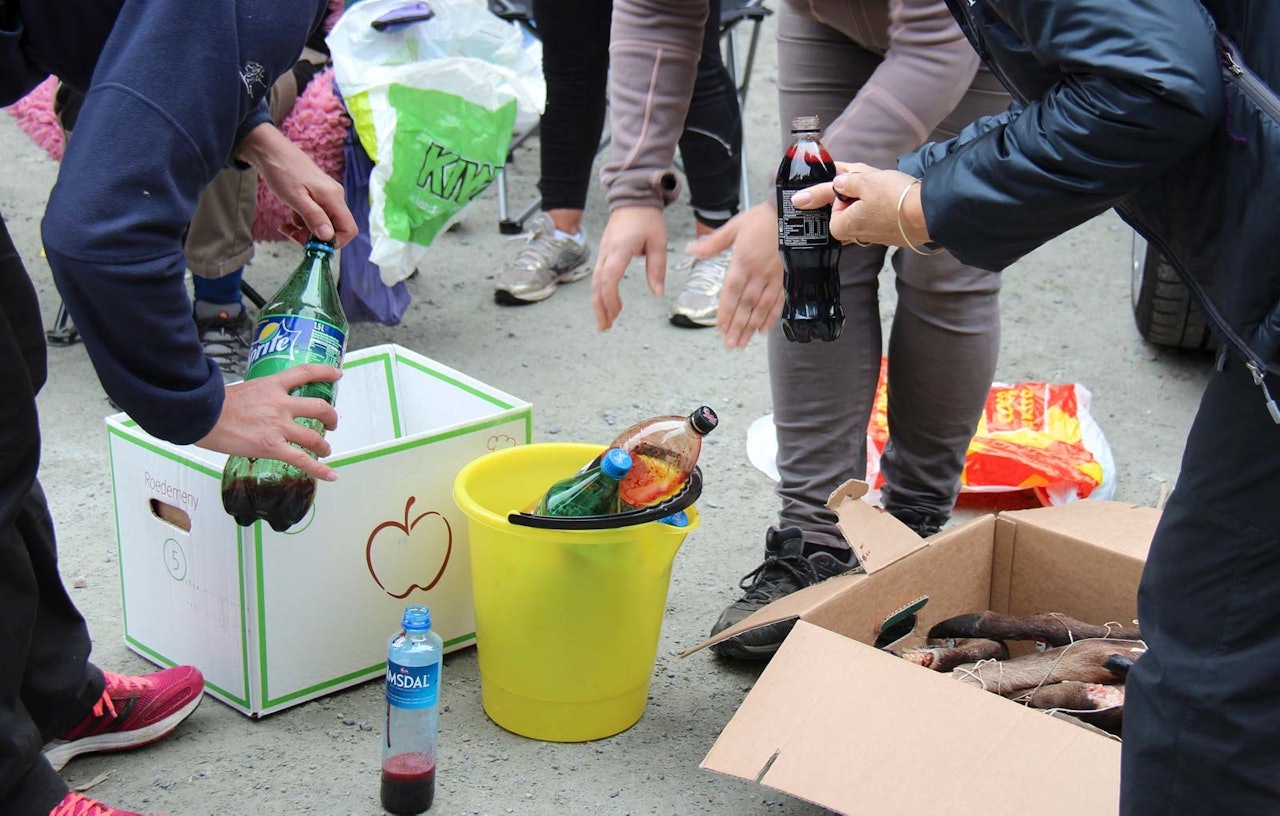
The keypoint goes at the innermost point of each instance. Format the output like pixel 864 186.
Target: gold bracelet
pixel 902 230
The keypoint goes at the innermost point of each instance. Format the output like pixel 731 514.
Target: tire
pixel 1163 307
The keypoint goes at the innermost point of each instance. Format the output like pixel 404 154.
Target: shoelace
pixel 707 275
pixel 77 805
pixel 797 567
pixel 121 685
pixel 540 247
pixel 222 344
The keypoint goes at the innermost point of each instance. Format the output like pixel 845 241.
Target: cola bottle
pixel 810 256
pixel 302 323
pixel 592 491
pixel 664 450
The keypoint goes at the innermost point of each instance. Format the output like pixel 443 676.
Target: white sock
pixel 579 239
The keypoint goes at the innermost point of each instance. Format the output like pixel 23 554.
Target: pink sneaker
pixel 73 804
pixel 133 711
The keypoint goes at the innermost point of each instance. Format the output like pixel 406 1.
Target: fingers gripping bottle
pixel 810 256
pixel 302 323
pixel 590 492
pixel 663 450
pixel 412 727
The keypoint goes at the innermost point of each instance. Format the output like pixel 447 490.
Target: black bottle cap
pixel 704 420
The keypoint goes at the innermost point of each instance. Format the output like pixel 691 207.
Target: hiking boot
pixel 543 263
pixel 785 569
pixel 695 306
pixel 75 804
pixel 133 711
pixel 922 524
pixel 225 332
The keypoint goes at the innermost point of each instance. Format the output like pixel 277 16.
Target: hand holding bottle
pixel 864 205
pixel 259 416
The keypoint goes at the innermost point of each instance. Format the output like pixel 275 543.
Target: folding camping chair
pixel 732 12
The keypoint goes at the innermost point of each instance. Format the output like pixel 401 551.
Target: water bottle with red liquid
pixel 412 725
pixel 664 450
pixel 810 256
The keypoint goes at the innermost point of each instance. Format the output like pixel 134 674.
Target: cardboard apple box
pixel 839 722
pixel 275 619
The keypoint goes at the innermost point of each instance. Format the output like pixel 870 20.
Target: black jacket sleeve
pixel 1113 95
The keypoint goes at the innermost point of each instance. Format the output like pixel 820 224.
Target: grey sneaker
pixel 225 337
pixel 695 306
pixel 543 263
pixel 785 570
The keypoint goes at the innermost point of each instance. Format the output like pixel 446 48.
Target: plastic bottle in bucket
pixel 590 492
pixel 664 451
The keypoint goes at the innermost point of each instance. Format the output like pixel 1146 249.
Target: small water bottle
pixel 413 714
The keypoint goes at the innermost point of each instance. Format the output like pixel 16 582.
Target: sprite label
pixel 284 341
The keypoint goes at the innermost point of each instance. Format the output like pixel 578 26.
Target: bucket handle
pixel 682 500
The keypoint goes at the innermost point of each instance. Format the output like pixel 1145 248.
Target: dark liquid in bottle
pixel 283 505
pixel 408 783
pixel 809 254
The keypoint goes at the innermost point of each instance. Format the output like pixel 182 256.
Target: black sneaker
pixel 785 569
pixel 225 331
pixel 922 524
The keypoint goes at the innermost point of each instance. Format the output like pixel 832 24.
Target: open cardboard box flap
pixel 860 731
pixel 838 722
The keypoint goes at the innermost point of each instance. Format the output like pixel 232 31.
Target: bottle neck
pixel 319 277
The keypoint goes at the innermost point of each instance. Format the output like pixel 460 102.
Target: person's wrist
pixel 911 222
pixel 913 217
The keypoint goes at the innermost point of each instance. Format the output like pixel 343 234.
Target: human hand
pixel 865 205
pixel 752 295
pixel 258 416
pixel 631 231
pixel 316 201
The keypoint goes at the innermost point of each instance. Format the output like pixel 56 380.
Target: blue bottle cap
pixel 615 463
pixel 677 519
pixel 416 618
pixel 321 246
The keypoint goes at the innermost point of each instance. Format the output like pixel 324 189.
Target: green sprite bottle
pixel 302 323
pixel 590 492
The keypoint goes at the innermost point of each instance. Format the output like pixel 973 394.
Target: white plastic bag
pixel 435 104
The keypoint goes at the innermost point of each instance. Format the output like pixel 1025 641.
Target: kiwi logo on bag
pixel 449 176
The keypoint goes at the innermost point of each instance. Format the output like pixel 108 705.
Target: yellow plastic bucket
pixel 567 621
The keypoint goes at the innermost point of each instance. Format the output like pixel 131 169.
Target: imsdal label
pixel 412 686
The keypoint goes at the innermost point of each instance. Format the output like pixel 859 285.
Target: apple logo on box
pixel 403 553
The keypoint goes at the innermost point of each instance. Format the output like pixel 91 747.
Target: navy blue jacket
pixel 170 88
pixel 1130 105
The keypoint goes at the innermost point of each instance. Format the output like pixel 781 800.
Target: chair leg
pixel 252 294
pixel 508 224
pixel 63 332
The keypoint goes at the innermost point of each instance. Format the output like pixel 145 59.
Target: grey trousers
pixel 945 333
